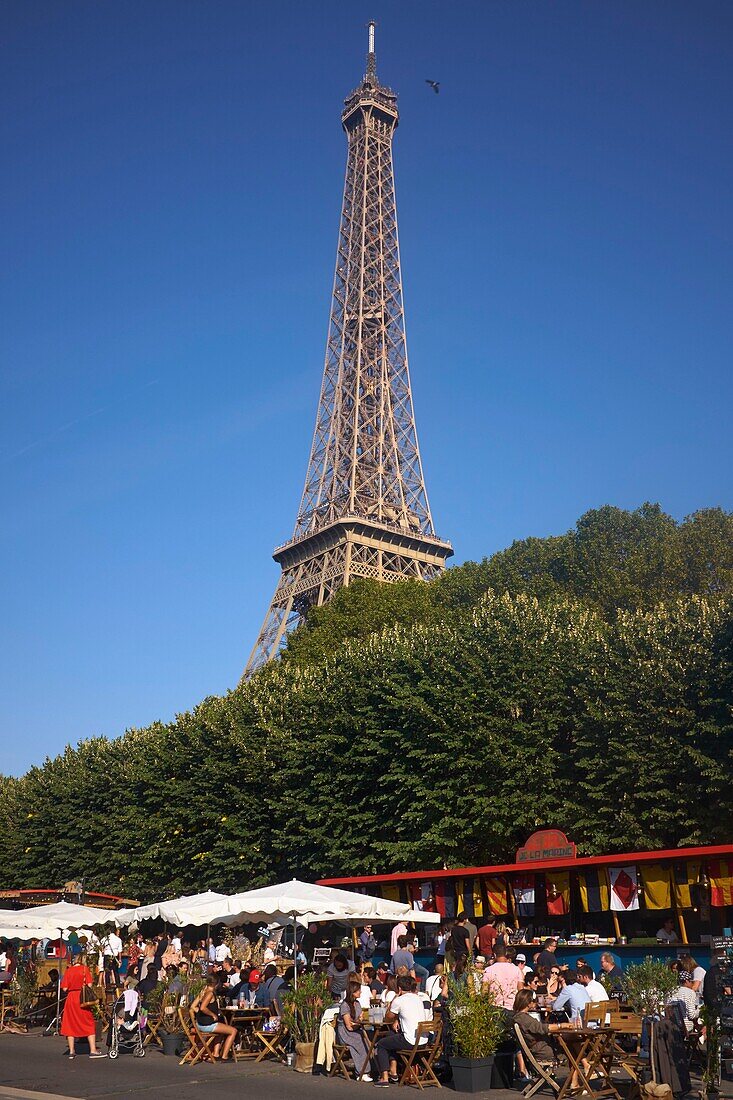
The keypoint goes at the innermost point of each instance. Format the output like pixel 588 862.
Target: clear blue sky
pixel 171 183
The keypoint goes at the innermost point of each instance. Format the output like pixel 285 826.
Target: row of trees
pixel 415 725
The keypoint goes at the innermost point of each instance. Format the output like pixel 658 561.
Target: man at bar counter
pixel 611 970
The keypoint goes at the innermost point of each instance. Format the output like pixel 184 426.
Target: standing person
pixel 487 938
pixel 698 974
pixel 612 973
pixel 367 944
pixel 400 929
pixel 503 978
pixel 77 1021
pixel 337 975
pixel 459 940
pixel 472 935
pixel 111 956
pixel 667 934
pixel 350 1030
pixel 547 955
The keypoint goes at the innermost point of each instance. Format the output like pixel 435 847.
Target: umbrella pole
pixel 295 953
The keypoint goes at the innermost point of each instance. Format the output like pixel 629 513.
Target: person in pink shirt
pixel 503 978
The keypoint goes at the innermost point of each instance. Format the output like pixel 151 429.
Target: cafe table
pixel 594 1046
pixel 248 1021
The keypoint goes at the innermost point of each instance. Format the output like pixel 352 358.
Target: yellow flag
pixel 460 907
pixel 657 884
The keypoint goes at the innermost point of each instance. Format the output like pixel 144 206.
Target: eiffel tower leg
pixel 270 639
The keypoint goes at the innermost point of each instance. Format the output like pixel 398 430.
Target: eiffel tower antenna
pixel 364 511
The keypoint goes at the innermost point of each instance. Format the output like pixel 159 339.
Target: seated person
pixel 686 997
pixel 535 1033
pixel 435 985
pixel 350 1030
pixel 407 1010
pixel 378 985
pixel 205 1014
pixel 52 984
pixel 573 998
pixel 270 990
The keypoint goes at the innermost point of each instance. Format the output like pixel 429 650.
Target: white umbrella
pixel 54 918
pixel 311 903
pixel 188 909
pixel 9 932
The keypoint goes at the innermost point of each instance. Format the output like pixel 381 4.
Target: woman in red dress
pixel 77 1021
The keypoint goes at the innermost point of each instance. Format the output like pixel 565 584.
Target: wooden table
pixel 247 1022
pixel 597 1047
pixel 373 1033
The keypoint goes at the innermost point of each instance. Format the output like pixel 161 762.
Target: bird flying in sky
pixel 435 85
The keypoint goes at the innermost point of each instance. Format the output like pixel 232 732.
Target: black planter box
pixel 472 1074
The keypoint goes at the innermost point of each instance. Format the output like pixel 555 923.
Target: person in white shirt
pixel 698 974
pixel 222 952
pixel 521 964
pixel 408 1011
pixel 269 955
pixel 3 958
pixel 109 957
pixel 434 984
pixel 594 989
pixel 686 997
pixel 666 933
pixel 176 943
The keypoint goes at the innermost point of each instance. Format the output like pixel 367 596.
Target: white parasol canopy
pixel 285 901
pixel 309 902
pixel 49 921
pixel 188 909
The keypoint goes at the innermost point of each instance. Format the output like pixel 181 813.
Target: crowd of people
pixel 529 985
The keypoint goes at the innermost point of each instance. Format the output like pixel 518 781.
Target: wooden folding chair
pixel 199 1044
pixel 272 1044
pixel 341 1055
pixel 542 1070
pixel 598 1014
pixel 418 1061
pixel 627 1023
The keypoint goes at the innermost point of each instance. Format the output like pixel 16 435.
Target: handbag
pixel 87 996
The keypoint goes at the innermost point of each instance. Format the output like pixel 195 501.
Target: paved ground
pixel 33 1068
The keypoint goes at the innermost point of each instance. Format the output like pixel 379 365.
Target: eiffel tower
pixel 364 511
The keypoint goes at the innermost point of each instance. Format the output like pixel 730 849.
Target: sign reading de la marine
pixel 547 844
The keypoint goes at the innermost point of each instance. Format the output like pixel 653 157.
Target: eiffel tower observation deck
pixel 364 511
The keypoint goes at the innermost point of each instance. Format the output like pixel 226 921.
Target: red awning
pixel 672 855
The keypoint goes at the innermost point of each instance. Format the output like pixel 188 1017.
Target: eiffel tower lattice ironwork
pixel 364 511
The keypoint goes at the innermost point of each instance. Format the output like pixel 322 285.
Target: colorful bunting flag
pixel 624 890
pixel 439 894
pixel 523 894
pixel 390 891
pixel 496 896
pixel 684 878
pixel 594 894
pixel 478 901
pixel 657 885
pixel 460 903
pixel 720 872
pixel 557 893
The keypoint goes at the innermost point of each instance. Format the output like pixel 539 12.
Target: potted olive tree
pixel 302 1009
pixel 478 1026
pixel 647 986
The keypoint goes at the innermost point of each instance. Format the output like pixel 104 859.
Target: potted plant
pixel 647 986
pixel 302 1009
pixel 478 1026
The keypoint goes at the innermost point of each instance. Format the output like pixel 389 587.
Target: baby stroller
pixel 124 1027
